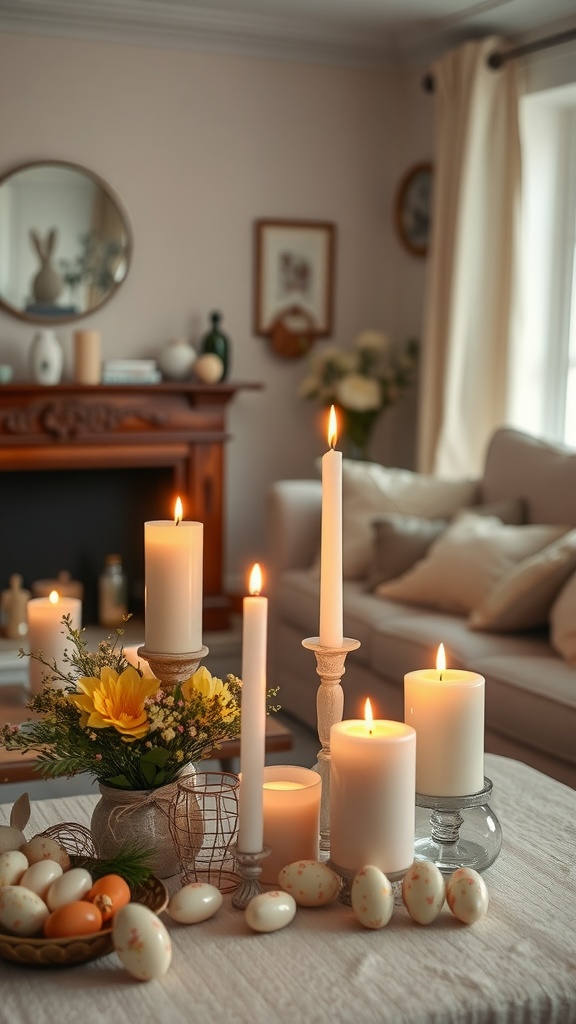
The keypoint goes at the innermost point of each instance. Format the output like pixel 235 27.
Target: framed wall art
pixel 412 211
pixel 294 272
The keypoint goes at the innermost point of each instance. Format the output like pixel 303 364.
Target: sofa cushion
pixel 370 490
pixel 532 698
pixel 407 642
pixel 399 542
pixel 523 597
pixel 563 622
pixel 463 565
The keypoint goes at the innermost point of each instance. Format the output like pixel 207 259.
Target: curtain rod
pixel 498 58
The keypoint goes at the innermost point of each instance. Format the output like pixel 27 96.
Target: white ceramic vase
pixel 46 357
pixel 177 359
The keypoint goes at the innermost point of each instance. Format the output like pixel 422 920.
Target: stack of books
pixel 130 371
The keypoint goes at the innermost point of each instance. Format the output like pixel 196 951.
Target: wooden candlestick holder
pixel 329 707
pixel 171 669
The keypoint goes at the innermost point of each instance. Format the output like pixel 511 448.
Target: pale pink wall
pixel 198 146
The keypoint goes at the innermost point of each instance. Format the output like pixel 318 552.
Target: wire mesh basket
pixel 211 797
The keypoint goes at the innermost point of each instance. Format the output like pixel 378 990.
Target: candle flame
pixel 178 512
pixel 54 597
pixel 368 716
pixel 441 660
pixel 332 427
pixel 255 585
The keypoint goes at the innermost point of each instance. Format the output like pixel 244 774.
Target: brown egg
pixel 78 918
pixel 109 893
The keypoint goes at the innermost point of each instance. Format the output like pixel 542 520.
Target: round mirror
pixel 65 242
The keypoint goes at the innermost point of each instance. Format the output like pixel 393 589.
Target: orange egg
pixel 78 918
pixel 109 893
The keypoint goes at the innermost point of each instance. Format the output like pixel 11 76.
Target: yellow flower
pixel 115 700
pixel 208 686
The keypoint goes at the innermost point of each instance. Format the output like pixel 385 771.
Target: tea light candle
pixel 173 553
pixel 253 719
pixel 446 708
pixel 331 615
pixel 372 794
pixel 47 633
pixel 291 800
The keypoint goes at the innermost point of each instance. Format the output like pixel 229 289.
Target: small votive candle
pixel 291 806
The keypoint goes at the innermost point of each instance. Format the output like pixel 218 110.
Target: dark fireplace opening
pixel 56 520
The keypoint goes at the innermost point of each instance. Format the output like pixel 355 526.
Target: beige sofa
pixel 494 579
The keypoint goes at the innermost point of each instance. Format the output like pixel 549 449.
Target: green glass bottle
pixel 217 342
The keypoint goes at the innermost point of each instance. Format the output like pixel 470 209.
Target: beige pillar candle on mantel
pixel 446 708
pixel 291 817
pixel 372 794
pixel 173 554
pixel 87 357
pixel 46 633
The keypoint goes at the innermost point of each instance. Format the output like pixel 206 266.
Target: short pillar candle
pixel 372 795
pixel 47 633
pixel 446 708
pixel 291 804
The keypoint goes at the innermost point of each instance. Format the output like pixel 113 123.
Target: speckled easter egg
pixel 423 891
pixel 270 911
pixel 310 882
pixel 372 897
pixel 467 895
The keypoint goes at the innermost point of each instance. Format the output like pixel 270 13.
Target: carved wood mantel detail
pixel 182 426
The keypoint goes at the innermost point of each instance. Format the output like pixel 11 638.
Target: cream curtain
pixel 470 300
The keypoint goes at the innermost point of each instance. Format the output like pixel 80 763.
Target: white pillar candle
pixel 173 554
pixel 372 795
pixel 87 358
pixel 446 708
pixel 331 627
pixel 47 633
pixel 291 817
pixel 253 719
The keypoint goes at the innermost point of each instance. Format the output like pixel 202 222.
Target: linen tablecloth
pixel 515 966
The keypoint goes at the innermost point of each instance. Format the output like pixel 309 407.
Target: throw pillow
pixel 370 490
pixel 399 542
pixel 508 510
pixel 466 561
pixel 563 622
pixel 522 598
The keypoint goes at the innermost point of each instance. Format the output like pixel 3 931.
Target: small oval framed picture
pixel 413 208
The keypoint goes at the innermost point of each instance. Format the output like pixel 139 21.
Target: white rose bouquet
pixel 361 382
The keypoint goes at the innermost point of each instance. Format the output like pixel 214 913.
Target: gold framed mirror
pixel 65 242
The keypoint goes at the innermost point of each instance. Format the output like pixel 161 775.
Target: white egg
pixel 68 887
pixel 194 903
pixel 39 877
pixel 22 912
pixel 467 895
pixel 142 942
pixel 45 848
pixel 423 891
pixel 13 864
pixel 310 882
pixel 270 911
pixel 372 897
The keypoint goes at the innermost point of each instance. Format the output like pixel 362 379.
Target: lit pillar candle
pixel 253 719
pixel 173 552
pixel 446 708
pixel 47 633
pixel 291 817
pixel 331 628
pixel 372 794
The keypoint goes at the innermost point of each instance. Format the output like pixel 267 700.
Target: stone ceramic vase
pixel 46 357
pixel 128 817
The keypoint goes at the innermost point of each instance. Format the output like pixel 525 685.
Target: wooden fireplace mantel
pixel 176 425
